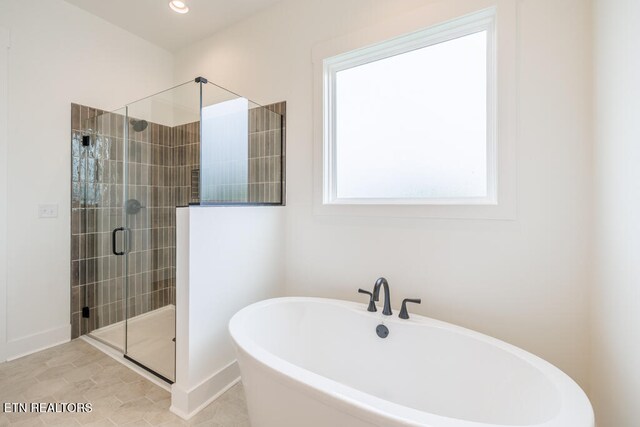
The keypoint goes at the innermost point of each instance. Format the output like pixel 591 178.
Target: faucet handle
pixel 404 314
pixel 372 305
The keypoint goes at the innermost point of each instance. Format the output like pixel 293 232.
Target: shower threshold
pixel 150 340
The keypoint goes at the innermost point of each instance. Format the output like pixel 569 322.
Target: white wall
pixel 616 296
pixel 59 54
pixel 525 281
pixel 4 68
pixel 227 258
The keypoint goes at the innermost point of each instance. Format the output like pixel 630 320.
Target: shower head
pixel 139 125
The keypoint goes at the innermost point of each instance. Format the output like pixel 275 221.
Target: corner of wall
pixel 212 266
pixel 37 342
pixel 4 111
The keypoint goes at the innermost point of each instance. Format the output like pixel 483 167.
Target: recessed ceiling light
pixel 178 6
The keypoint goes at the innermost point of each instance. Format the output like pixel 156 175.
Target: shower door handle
pixel 114 235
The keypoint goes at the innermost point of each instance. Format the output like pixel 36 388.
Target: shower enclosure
pixel 196 143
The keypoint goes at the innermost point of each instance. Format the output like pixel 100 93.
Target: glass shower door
pixel 98 186
pixel 149 213
pixel 153 188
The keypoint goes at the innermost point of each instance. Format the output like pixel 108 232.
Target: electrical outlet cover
pixel 47 211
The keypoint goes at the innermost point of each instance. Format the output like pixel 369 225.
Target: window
pixel 412 120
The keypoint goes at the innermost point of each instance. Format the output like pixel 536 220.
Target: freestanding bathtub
pixel 308 362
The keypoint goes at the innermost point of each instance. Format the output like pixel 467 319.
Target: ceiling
pixel 154 21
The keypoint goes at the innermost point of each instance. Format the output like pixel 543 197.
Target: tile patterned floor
pixel 77 372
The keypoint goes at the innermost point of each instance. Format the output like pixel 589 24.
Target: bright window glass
pixel 412 123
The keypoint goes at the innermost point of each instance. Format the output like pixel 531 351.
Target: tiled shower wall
pixel 162 174
pixel 150 183
pixel 266 154
pixel 186 152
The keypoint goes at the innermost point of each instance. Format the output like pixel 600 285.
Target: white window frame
pixel 430 15
pixel 484 20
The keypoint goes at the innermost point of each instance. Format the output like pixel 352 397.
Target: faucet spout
pixel 387 298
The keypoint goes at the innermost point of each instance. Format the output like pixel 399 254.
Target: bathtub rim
pixel 575 408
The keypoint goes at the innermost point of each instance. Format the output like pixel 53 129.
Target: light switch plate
pixel 47 211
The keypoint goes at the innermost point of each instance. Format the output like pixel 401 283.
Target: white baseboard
pixel 187 403
pixel 37 342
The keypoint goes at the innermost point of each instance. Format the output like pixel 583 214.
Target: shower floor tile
pixel 78 372
pixel 149 341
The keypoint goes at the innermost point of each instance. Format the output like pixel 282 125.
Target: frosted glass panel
pixel 225 152
pixel 414 125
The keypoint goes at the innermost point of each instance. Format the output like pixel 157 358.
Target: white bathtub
pixel 309 362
